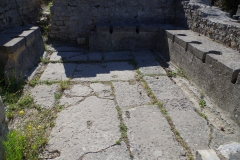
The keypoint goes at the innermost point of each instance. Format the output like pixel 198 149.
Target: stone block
pixel 150 135
pixel 2 112
pixel 209 65
pixel 230 151
pixel 206 155
pixel 28 36
pixel 13 45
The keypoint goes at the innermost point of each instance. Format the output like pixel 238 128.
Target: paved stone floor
pixel 112 109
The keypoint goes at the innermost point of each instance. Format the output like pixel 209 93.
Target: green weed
pixel 64 85
pixel 171 74
pixel 180 73
pixel 14 145
pixel 43 60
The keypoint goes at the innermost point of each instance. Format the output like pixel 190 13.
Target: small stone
pixel 206 155
pixel 230 151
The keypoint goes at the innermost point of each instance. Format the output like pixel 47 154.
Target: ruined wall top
pixel 74 18
pixel 18 12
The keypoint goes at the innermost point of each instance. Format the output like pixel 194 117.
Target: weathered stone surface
pixel 130 95
pixel 150 135
pixel 95 56
pixel 230 151
pixel 223 136
pixel 70 101
pixel 147 64
pixel 81 18
pixel 78 91
pixel 213 23
pixel 102 90
pixel 13 14
pixel 207 2
pixel 58 71
pixel 117 152
pixel 117 56
pixel 208 65
pixel 44 95
pixel 206 155
pixel 147 56
pixel 68 56
pixel 104 72
pixel 88 127
pixel 193 128
pixel 19 54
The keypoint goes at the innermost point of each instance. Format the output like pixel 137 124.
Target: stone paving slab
pixel 95 56
pixel 68 56
pixel 117 152
pixel 43 95
pixel 70 101
pixel 102 90
pixel 118 56
pixel 78 90
pixel 90 126
pixel 58 71
pixel 150 135
pixel 150 68
pixel 144 55
pixel 193 128
pixel 104 72
pixel 147 64
pixel 130 95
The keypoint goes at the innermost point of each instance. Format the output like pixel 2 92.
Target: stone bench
pixel 213 67
pixel 19 49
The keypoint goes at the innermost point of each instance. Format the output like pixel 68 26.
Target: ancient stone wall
pixel 18 12
pixel 213 23
pixel 76 18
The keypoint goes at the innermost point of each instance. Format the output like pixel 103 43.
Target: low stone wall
pixel 18 12
pixel 127 37
pixel 213 23
pixel 76 18
pixel 213 67
pixel 20 47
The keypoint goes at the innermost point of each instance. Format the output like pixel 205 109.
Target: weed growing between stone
pixel 30 124
pixel 31 130
pixel 64 85
pixel 202 102
pixel 171 74
pixel 44 61
pixel 14 146
pixel 123 129
pixel 164 112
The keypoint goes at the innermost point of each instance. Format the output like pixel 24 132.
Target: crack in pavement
pixel 81 157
